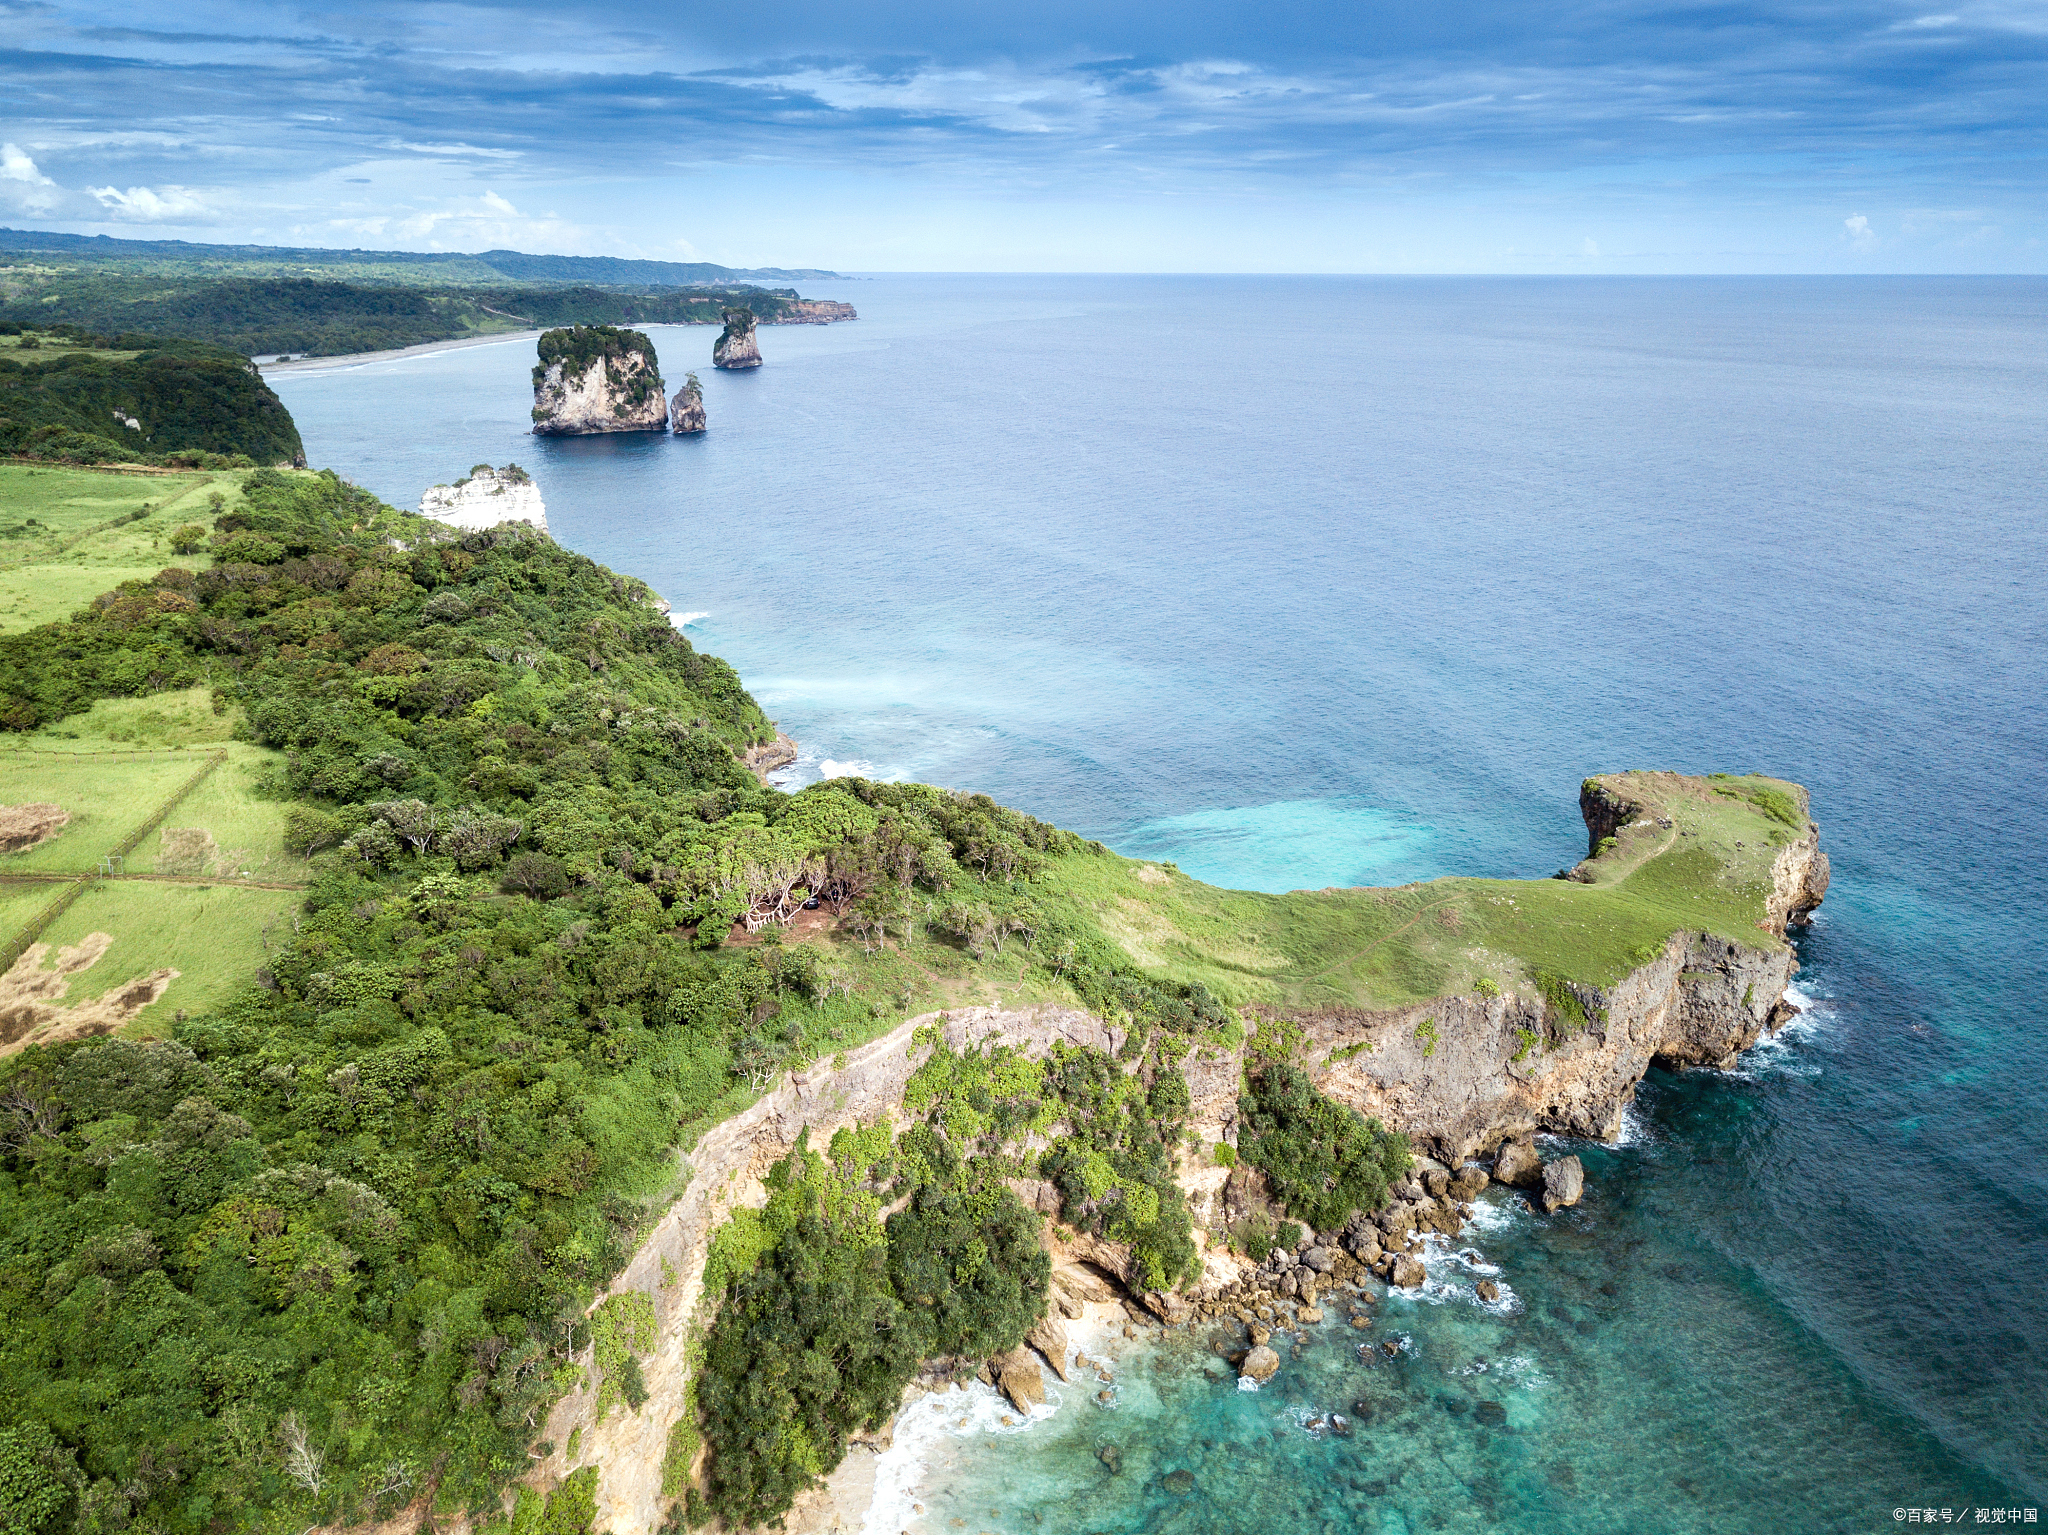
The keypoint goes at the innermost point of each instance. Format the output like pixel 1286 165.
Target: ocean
pixel 1323 581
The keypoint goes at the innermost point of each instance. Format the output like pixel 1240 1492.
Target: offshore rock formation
pixel 736 346
pixel 486 497
pixel 686 410
pixel 597 378
pixel 814 311
pixel 1466 1088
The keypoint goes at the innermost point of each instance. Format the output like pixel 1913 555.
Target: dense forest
pixel 168 398
pixel 265 316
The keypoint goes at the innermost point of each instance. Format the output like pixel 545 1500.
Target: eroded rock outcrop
pixel 597 378
pixel 486 497
pixel 686 411
pixel 736 346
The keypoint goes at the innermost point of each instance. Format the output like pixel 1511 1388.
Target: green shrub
pixel 1224 1154
pixel 1323 1159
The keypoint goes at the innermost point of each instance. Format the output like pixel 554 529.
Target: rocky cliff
pixel 686 411
pixel 597 378
pixel 736 346
pixel 814 311
pixel 486 497
pixel 1462 1075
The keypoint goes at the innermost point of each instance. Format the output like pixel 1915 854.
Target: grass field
pixel 1709 871
pixel 212 935
pixel 20 901
pixel 60 547
pixel 114 765
pixel 108 797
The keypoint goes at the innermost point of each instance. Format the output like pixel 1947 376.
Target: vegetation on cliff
pixel 323 316
pixel 140 399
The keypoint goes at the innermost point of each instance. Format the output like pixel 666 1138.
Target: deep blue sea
pixel 1319 581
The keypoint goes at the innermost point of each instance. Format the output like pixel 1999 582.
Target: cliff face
pixel 596 378
pixel 487 497
pixel 736 346
pixel 686 411
pixel 1460 1075
pixel 814 311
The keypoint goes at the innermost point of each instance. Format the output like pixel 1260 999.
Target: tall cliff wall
pixel 486 497
pixel 737 346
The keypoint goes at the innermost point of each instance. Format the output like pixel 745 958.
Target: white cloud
pixel 1861 235
pixel 148 205
pixel 498 204
pixel 15 165
pixel 1590 248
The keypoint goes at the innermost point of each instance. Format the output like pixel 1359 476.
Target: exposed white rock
pixel 486 497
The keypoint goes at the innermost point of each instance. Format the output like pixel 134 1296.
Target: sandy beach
pixel 357 359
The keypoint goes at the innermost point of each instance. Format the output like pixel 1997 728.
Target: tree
pixel 188 538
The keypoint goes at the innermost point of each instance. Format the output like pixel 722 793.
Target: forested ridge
pixel 321 316
pixel 170 397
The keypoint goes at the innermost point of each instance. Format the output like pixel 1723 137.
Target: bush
pixel 1323 1159
pixel 1224 1154
pixel 186 540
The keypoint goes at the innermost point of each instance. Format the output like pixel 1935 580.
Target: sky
pixel 1574 136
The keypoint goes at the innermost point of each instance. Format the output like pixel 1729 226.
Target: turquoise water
pixel 1322 581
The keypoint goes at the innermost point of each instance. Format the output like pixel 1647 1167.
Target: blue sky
pixel 1582 136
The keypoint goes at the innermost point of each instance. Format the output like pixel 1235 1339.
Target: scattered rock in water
pixel 1260 1335
pixel 1492 1414
pixel 1517 1165
pixel 1179 1483
pixel 1408 1272
pixel 1488 1291
pixel 1111 1456
pixel 1261 1364
pixel 1021 1380
pixel 1390 1348
pixel 1049 1336
pixel 1469 1181
pixel 1563 1182
pixel 1310 1315
pixel 1361 1322
pixel 1457 1407
pixel 1362 1410
pixel 1340 1425
pixel 1105 1396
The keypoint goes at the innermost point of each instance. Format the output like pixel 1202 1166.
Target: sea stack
pixel 736 346
pixel 597 378
pixel 686 410
pixel 486 497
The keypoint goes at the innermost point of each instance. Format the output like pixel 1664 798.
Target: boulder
pixel 1111 1456
pixel 1020 1379
pixel 1049 1337
pixel 1408 1272
pixel 1469 1181
pixel 1261 1364
pixel 1364 1244
pixel 1321 1259
pixel 1488 1291
pixel 1310 1315
pixel 1517 1165
pixel 1563 1182
pixel 1435 1181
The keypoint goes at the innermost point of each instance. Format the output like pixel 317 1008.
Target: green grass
pixel 62 541
pixel 214 936
pixel 1709 871
pixel 241 821
pixel 152 722
pixel 20 901
pixel 108 797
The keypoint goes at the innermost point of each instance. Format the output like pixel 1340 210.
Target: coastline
pixel 357 359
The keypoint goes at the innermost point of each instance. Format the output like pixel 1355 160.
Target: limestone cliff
pixel 486 497
pixel 597 378
pixel 686 410
pixel 736 346
pixel 814 311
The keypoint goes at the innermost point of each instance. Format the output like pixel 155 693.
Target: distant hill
pixel 438 267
